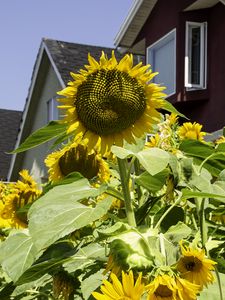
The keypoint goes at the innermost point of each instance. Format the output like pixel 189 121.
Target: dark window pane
pixel 195 55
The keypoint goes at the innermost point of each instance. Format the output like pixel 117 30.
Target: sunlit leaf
pixel 42 135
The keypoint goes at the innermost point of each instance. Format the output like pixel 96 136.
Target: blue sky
pixel 23 23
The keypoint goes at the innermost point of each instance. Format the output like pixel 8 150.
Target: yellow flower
pixel 127 290
pixel 153 141
pixel 4 223
pixel 75 158
pixel 163 287
pixel 220 140
pixel 111 101
pixel 18 196
pixel 186 290
pixel 191 131
pixel 195 267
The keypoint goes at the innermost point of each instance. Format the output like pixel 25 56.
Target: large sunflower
pixel 15 201
pixel 127 290
pixel 195 267
pixel 111 101
pixel 75 158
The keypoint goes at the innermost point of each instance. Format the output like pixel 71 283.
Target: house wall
pixel 46 86
pixel 204 106
pixel 37 155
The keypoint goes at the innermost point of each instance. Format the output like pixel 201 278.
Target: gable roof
pixel 69 57
pixel 9 124
pixel 64 57
pixel 137 16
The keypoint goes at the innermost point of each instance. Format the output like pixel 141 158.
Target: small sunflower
pixel 195 267
pixel 76 158
pixel 191 131
pixel 220 140
pixel 18 196
pixel 163 287
pixel 111 101
pixel 128 289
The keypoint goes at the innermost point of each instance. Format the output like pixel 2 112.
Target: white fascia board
pixel 43 48
pixel 132 12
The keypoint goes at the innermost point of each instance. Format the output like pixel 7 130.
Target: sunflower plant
pixel 134 204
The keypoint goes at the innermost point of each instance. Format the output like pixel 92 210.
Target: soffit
pixel 133 23
pixel 201 4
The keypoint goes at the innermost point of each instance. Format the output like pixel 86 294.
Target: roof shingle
pixel 9 126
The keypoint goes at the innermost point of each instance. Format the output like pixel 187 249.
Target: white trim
pixel 132 12
pixel 43 48
pixel 174 32
pixel 203 56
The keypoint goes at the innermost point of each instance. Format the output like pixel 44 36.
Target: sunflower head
pixel 127 288
pixel 16 200
pixel 163 286
pixel 76 158
pixel 191 131
pixel 195 267
pixel 110 101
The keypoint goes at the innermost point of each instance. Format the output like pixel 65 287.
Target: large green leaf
pixel 59 212
pixel 17 254
pixel 212 292
pixel 187 194
pixel 86 256
pixel 154 160
pixel 201 151
pixel 91 283
pixel 152 183
pixel 42 135
pixel 169 107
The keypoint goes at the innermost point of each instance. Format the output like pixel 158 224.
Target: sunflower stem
pixel 167 211
pixel 203 226
pixel 126 191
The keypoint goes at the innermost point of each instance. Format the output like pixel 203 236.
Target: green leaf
pixel 169 107
pixel 212 292
pixel 50 261
pixel 201 151
pixel 154 160
pixel 177 232
pixel 59 212
pixel 152 183
pixel 86 256
pixel 187 194
pixel 121 152
pixel 42 135
pixel 91 283
pixel 17 254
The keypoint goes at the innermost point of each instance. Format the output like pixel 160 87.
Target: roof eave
pixel 133 23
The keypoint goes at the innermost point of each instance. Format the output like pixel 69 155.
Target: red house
pixel 184 40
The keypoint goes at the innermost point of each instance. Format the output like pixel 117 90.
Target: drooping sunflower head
pixel 195 267
pixel 17 199
pixel 162 287
pixel 191 131
pixel 111 101
pixel 76 158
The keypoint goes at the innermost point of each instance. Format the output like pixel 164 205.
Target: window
pixel 162 58
pixel 195 55
pixel 52 110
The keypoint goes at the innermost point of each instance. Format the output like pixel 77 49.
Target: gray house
pixel 55 61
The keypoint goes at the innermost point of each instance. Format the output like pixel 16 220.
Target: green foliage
pixel 52 130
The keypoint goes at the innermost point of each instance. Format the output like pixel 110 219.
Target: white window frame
pixel 163 40
pixel 51 109
pixel 203 56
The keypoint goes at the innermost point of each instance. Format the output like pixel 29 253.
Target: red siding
pixel 204 106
